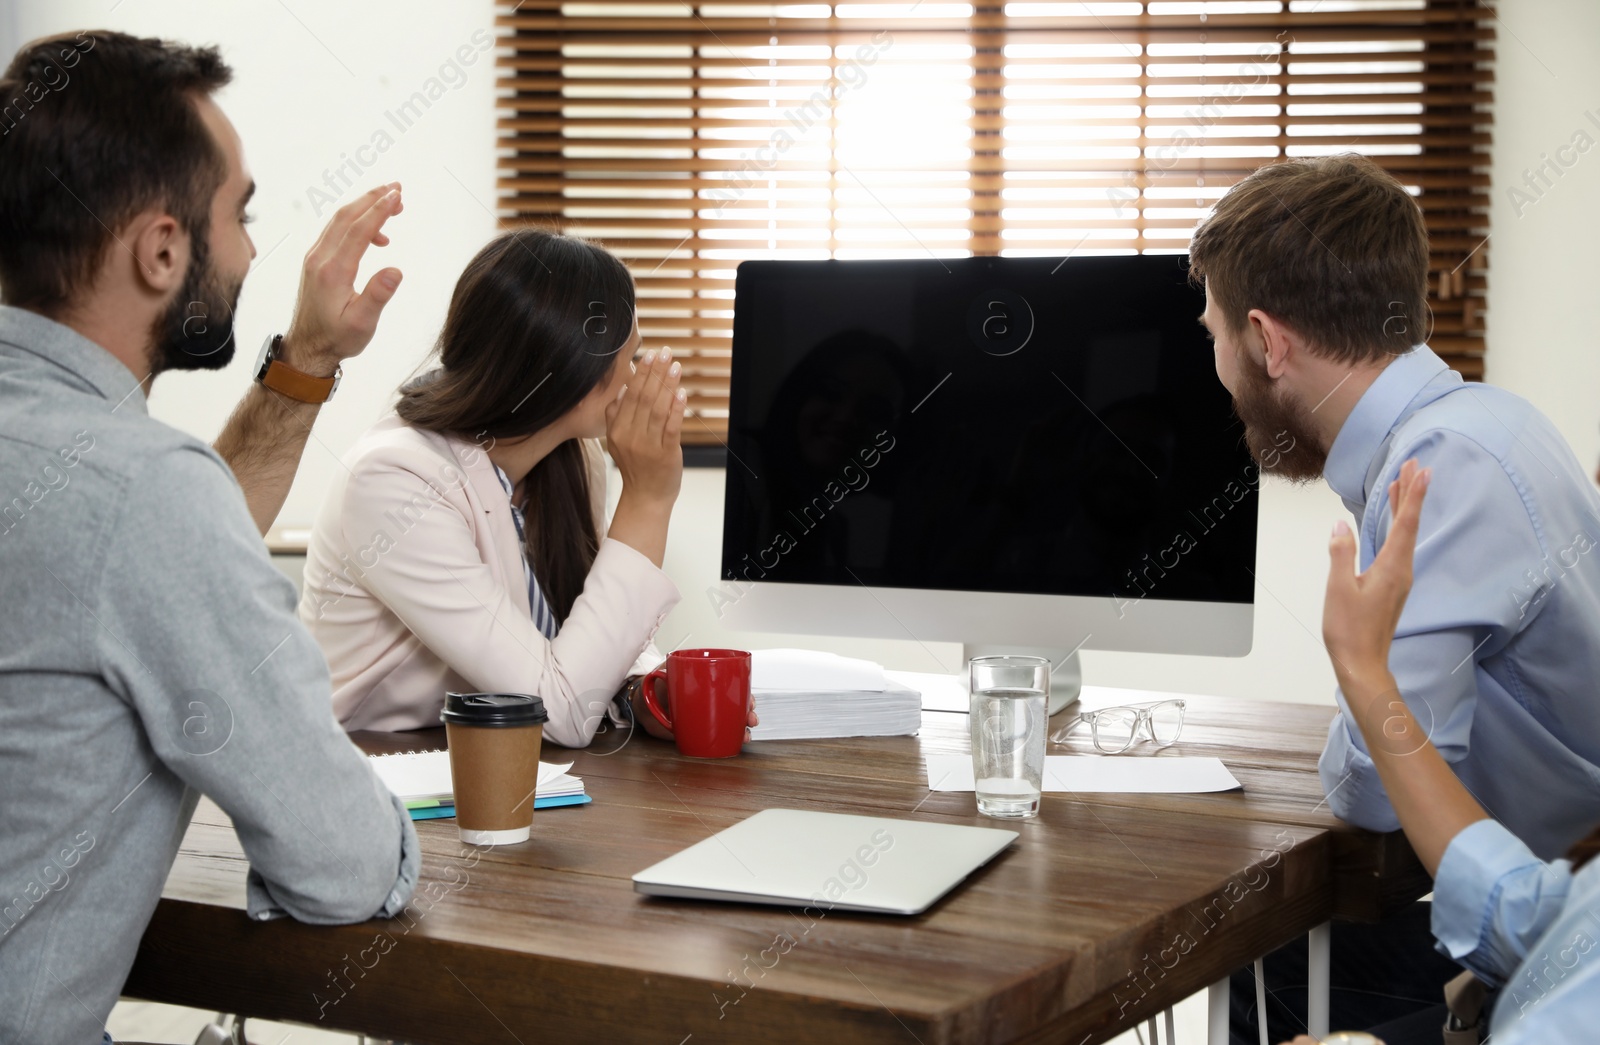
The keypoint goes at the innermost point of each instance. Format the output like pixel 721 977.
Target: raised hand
pixel 1361 611
pixel 332 322
pixel 643 430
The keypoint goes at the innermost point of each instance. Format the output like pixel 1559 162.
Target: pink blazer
pixel 414 586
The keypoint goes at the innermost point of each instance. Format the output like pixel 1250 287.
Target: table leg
pixel 1318 973
pixel 1261 1000
pixel 1217 1013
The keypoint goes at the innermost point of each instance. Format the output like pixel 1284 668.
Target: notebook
pixel 828 861
pixel 422 780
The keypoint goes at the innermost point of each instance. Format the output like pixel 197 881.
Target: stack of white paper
pixel 810 695
pixel 813 671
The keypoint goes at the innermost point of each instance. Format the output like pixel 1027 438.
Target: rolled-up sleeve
pixel 1493 899
pixel 262 901
pixel 233 695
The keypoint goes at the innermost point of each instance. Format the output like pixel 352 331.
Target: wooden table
pixel 1107 910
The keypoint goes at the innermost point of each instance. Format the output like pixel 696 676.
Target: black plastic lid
pixel 493 709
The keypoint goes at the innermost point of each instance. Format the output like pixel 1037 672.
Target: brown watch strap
pixel 296 384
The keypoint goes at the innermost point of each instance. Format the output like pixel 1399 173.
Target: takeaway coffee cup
pixel 708 692
pixel 494 762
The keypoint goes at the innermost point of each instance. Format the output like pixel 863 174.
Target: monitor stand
pixel 1066 673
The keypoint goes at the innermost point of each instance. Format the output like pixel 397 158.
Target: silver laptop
pixel 829 861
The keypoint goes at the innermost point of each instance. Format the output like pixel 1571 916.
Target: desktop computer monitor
pixel 1006 452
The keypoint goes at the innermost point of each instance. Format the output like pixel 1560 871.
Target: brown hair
pixel 96 127
pixel 1333 246
pixel 534 325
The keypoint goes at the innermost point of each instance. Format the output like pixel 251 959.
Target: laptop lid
pixel 831 861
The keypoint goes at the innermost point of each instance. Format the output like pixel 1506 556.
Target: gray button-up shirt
pixel 150 653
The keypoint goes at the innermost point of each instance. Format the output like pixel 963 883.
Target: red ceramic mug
pixel 709 693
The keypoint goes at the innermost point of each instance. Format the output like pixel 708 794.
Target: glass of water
pixel 1008 723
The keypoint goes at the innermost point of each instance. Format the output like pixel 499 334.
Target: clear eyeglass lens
pixel 1166 722
pixel 1113 728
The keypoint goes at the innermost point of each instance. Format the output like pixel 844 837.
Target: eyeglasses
pixel 1115 729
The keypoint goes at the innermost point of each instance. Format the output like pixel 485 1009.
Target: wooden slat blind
pixel 686 137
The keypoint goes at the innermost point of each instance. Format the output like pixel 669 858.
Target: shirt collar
pixel 505 480
pixel 1381 407
pixel 60 346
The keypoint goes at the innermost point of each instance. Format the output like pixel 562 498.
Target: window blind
pixel 687 137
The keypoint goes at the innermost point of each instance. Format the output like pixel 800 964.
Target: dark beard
pixel 196 331
pixel 1275 433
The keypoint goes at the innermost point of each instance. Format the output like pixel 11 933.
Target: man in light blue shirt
pixel 1518 922
pixel 1316 276
pixel 1498 651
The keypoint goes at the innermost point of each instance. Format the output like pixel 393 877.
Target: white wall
pixel 9 41
pixel 1544 271
pixel 307 94
pixel 312 83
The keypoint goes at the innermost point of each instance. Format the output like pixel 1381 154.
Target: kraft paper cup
pixel 494 743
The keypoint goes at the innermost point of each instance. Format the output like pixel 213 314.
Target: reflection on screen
pixel 984 424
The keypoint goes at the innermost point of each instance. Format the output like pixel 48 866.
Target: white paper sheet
pixel 1100 773
pixel 426 774
pixel 815 671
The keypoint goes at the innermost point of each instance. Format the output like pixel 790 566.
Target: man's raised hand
pixel 332 322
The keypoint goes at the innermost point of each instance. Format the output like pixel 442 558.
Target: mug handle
pixel 648 691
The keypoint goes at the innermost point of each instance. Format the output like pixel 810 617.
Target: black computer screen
pixel 984 424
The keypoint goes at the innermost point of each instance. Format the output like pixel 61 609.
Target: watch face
pixel 266 355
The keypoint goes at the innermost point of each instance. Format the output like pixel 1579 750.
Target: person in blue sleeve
pixel 1525 925
pixel 1316 277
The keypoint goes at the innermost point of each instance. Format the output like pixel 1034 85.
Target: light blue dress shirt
pixel 1498 650
pixel 1531 926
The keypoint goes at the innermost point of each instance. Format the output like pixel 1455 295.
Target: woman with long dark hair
pixel 461 546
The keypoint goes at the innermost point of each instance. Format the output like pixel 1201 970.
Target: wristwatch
pixel 624 697
pixel 284 379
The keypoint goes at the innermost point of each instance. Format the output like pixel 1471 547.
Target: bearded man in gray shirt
pixel 150 651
